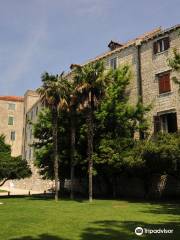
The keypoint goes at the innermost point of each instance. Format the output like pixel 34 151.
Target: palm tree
pixel 72 108
pixel 53 94
pixel 90 81
pixel 73 142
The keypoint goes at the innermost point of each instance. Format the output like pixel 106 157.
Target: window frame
pixel 114 63
pixel 11 104
pixel 161 122
pixel 161 45
pixel 166 85
pixel 13 120
pixel 11 134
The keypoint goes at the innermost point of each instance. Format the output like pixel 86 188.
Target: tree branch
pixel 3 182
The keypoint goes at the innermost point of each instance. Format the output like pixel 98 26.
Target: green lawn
pixel 31 218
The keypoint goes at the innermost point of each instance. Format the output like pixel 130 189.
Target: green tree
pixel 90 81
pixel 11 167
pixel 44 158
pixel 157 156
pixel 72 110
pixel 161 154
pixel 54 94
pixel 118 122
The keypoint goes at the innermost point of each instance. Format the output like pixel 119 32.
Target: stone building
pixel 11 121
pixel 16 113
pixel 147 55
pixel 33 107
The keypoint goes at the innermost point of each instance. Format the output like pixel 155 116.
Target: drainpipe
pixel 139 75
pixel 139 79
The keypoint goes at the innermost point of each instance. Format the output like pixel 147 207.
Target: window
pixel 13 135
pixel 113 63
pixel 164 82
pixel 165 123
pixel 161 45
pixel 10 120
pixel 11 106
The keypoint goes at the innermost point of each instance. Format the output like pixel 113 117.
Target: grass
pixel 2 190
pixel 33 218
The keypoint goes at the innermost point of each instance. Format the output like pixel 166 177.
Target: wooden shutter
pixel 167 86
pixel 157 124
pixel 155 47
pixel 164 83
pixel 161 85
pixel 166 43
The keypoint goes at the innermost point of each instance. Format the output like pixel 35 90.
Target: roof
pixel 141 38
pixel 157 32
pixel 12 98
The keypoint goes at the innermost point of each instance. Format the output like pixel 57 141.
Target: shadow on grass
pixel 165 208
pixel 105 230
pixel 116 230
pixel 40 237
pixel 47 197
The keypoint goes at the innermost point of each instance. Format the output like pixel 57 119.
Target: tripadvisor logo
pixel 139 231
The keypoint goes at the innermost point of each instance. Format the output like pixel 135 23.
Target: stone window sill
pixel 159 53
pixel 165 94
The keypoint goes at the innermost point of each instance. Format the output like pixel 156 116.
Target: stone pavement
pixel 17 191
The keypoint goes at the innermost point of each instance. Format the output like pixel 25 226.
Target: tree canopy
pixel 11 167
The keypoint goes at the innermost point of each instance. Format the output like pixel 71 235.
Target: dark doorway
pixel 172 122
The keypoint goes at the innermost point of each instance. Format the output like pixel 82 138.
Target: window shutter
pixel 164 83
pixel 166 43
pixel 161 85
pixel 157 124
pixel 167 86
pixel 155 47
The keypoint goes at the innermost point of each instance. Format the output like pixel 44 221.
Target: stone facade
pixel 34 106
pixel 23 110
pixel 11 122
pixel 146 67
pixel 31 99
pixel 152 65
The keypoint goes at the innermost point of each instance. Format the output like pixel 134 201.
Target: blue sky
pixel 49 35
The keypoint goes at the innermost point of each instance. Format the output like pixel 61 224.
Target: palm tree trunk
pixel 72 182
pixel 73 137
pixel 90 133
pixel 55 150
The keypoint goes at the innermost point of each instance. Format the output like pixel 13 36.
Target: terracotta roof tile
pixel 12 98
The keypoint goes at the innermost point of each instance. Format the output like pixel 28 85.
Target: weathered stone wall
pixel 128 56
pixel 17 126
pixel 153 64
pixel 32 108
